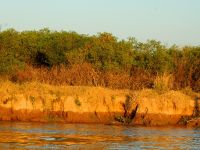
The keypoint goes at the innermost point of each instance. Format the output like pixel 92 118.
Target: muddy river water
pixel 17 135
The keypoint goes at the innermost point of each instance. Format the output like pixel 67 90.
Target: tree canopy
pixel 105 52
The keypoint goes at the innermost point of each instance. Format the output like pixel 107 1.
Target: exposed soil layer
pixel 45 103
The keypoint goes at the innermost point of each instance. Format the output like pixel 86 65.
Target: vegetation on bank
pixel 69 58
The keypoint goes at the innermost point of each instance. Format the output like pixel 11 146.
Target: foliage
pixel 102 59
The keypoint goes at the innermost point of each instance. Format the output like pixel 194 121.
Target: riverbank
pixel 36 102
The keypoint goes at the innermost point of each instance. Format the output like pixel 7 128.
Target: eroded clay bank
pixel 72 104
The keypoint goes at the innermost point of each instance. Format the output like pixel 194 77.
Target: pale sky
pixel 169 21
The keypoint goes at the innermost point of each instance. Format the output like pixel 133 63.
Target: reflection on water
pixel 79 136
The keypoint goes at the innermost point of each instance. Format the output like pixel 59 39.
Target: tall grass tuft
pixel 163 83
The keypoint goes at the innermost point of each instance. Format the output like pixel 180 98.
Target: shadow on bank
pixel 194 119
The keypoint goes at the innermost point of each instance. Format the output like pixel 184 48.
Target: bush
pixel 9 63
pixel 100 60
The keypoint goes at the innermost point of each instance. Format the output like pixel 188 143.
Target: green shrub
pixel 9 63
pixel 131 64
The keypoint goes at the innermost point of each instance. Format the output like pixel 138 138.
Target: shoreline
pixel 114 124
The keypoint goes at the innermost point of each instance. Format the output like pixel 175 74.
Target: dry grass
pixel 86 75
pixel 163 83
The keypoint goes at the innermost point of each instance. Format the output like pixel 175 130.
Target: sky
pixel 169 21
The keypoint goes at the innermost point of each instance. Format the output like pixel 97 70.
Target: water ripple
pixel 79 136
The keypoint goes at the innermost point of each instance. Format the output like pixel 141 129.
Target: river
pixel 17 135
